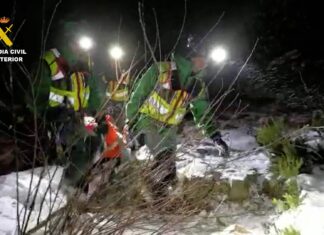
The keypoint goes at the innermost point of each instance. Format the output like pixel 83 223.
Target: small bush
pixel 274 188
pixel 291 198
pixel 287 167
pixel 288 164
pixel 290 231
pixel 200 194
pixel 270 134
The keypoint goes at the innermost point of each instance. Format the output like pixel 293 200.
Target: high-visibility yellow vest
pixel 117 92
pixel 73 92
pixel 170 111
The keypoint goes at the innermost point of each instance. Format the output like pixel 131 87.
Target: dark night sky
pixel 281 26
pixel 286 24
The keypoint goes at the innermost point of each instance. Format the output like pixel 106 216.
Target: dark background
pixel 280 26
pixel 294 82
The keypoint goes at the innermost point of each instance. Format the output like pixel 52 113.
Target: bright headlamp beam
pixel 116 52
pixel 85 43
pixel 218 54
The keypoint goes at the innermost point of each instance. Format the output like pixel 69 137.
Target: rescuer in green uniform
pixel 65 91
pixel 158 105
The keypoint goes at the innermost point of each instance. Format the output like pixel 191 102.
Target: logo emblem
pixel 3 33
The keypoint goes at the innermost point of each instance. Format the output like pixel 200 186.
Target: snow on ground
pixel 47 199
pixel 244 159
pixel 231 219
pixel 236 167
pixel 237 220
pixel 227 219
pixel 200 160
pixel 308 218
pixel 204 159
pixel 240 139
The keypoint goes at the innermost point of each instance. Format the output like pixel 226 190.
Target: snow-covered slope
pixel 39 204
pixel 236 167
pixel 308 218
pixel 197 159
pixel 202 158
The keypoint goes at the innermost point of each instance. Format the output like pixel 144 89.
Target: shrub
pixel 270 134
pixel 289 231
pixel 200 194
pixel 291 198
pixel 287 165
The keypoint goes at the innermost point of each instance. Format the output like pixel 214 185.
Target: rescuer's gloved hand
pixel 217 139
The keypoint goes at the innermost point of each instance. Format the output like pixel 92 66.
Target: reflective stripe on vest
pixel 71 100
pixel 80 93
pixel 56 98
pixel 120 95
pixel 58 76
pixel 156 107
pixel 116 93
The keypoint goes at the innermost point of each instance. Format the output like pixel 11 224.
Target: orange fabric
pixel 113 149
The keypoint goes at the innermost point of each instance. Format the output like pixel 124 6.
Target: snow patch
pixel 143 154
pixel 48 198
pixel 307 218
pixel 237 167
pixel 240 139
pixel 202 158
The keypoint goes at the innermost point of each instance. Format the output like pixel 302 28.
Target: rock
pixel 310 146
pixel 239 191
pixel 296 120
pixel 208 150
pixel 203 213
pixel 240 139
pixel 273 188
pixel 234 229
pixel 143 154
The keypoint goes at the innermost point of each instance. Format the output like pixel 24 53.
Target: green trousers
pixel 161 141
pixel 80 149
pixel 157 137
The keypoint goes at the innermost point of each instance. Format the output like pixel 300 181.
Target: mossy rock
pixel 270 134
pixel 239 190
pixel 202 190
pixel 202 193
pixel 273 188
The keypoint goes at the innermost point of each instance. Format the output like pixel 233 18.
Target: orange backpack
pixel 112 140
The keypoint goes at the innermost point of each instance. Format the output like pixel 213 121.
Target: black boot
pixel 217 138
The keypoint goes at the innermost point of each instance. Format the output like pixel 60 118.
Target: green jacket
pixel 199 104
pixel 42 84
